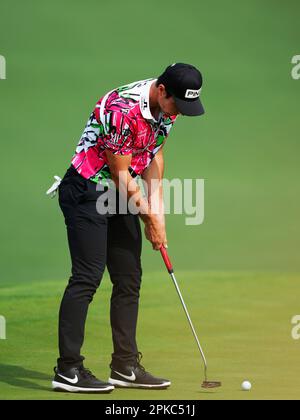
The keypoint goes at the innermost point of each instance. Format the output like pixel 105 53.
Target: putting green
pixel 61 57
pixel 243 320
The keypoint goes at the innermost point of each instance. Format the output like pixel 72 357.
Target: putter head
pixel 211 384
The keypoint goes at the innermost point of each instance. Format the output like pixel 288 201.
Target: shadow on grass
pixel 22 378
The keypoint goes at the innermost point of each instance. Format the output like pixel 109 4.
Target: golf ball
pixel 246 386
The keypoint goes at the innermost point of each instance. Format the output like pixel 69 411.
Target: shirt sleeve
pixel 120 136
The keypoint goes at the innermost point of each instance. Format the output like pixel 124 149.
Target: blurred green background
pixel 63 56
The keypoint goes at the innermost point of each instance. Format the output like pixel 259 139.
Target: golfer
pixel 123 139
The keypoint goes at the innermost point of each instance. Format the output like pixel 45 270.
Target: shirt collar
pixel 145 101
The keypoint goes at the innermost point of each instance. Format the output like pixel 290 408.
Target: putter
pixel 206 383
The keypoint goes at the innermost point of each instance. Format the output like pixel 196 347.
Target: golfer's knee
pixel 127 283
pixel 84 284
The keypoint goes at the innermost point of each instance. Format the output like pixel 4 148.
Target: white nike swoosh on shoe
pixel 129 378
pixel 71 381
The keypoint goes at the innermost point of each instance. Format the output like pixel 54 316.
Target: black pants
pixel 96 241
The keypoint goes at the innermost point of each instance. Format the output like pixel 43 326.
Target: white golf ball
pixel 246 386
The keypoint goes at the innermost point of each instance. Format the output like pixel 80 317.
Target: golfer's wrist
pixel 150 219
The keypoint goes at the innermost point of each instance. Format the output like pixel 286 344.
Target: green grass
pixel 243 320
pixel 61 58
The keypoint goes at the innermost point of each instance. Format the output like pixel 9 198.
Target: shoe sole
pixel 121 384
pixel 58 387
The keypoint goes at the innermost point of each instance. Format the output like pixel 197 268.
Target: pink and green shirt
pixel 123 124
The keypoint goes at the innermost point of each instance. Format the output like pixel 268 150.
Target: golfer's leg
pixel 87 233
pixel 124 265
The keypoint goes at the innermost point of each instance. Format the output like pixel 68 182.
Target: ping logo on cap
pixel 192 94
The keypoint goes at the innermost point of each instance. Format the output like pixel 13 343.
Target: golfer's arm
pixel 126 185
pixel 153 177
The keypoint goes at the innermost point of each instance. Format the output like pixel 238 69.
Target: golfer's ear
pixel 162 90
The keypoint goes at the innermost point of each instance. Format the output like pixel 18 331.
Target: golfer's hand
pixel 155 232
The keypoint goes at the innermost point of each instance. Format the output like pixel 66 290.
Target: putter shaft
pixel 206 384
pixel 191 324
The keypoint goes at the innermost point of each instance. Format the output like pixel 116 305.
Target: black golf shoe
pixel 79 380
pixel 135 376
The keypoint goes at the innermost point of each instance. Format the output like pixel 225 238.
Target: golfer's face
pixel 167 105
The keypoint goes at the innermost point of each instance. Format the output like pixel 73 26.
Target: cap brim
pixel 189 108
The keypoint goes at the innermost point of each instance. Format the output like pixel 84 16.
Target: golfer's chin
pixel 171 114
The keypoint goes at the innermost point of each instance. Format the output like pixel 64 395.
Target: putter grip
pixel 166 259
